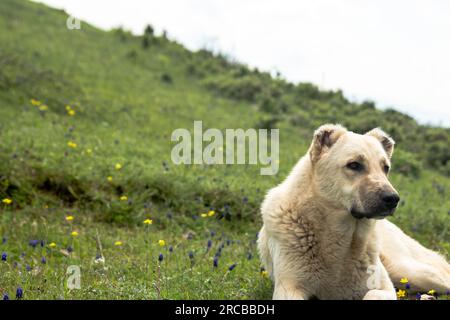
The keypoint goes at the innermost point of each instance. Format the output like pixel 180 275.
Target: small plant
pixel 166 78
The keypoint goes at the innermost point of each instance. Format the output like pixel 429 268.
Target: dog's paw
pixel 380 295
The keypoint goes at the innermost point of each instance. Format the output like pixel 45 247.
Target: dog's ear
pixel 386 141
pixel 324 138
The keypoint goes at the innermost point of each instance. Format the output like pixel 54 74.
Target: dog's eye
pixel 355 166
pixel 386 169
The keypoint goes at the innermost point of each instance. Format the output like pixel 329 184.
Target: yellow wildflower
pixel 74 234
pixel 204 215
pixel 123 198
pixel 7 201
pixel 148 221
pixel 71 144
pixel 68 108
pixel 71 112
pixel 401 293
pixel 69 218
pixel 88 151
pixel 52 245
pixel 162 243
pixel 109 178
pixel 43 107
pixel 118 166
pixel 431 292
pixel 35 102
pixel 211 213
pixel 264 274
pixel 404 280
pixel 118 243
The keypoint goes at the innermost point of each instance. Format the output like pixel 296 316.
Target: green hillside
pixel 75 103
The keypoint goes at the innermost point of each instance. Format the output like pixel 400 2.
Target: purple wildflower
pixel 161 257
pixel 230 268
pixel 5 296
pixel 170 249
pixel 4 256
pixel 19 293
pixel 43 260
pixel 33 243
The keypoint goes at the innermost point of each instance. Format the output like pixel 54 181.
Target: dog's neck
pixel 345 236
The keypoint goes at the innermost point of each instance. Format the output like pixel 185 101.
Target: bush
pixel 149 30
pixel 406 164
pixel 301 120
pixel 122 34
pixel 308 91
pixel 132 55
pixel 268 122
pixel 166 78
pixel 247 88
pixel 146 41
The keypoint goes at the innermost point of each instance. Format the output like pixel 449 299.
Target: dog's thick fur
pixel 323 234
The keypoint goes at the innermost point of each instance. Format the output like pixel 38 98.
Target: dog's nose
pixel 390 200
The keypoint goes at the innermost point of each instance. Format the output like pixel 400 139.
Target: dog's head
pixel 351 170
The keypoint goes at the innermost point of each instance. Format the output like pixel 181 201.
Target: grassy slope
pixel 125 114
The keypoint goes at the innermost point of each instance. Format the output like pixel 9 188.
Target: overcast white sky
pixel 396 53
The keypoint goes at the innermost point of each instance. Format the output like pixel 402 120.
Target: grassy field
pixel 85 124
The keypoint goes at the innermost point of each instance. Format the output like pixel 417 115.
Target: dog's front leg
pixel 385 289
pixel 284 290
pixel 287 286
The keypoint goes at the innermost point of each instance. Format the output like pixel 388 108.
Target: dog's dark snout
pixel 390 199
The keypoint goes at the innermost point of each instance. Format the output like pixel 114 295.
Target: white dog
pixel 324 235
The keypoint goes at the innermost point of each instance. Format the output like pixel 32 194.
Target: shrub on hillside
pixel 166 78
pixel 149 30
pixel 406 164
pixel 247 88
pixel 268 122
pixel 146 40
pixel 122 34
pixel 437 151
